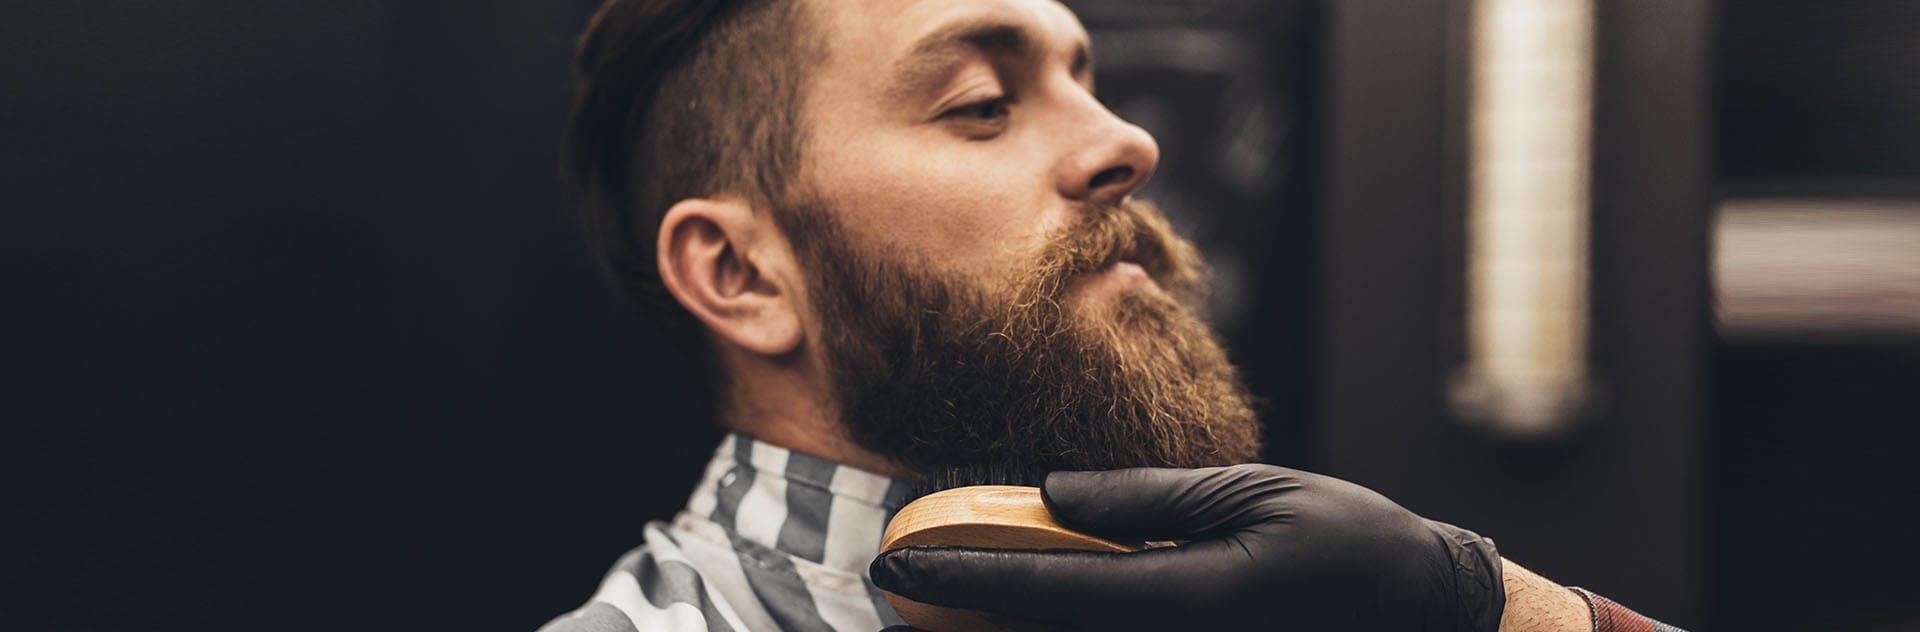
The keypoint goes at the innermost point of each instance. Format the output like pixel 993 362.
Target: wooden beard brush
pixel 992 507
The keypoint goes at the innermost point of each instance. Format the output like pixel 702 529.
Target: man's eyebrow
pixel 987 35
pixel 936 51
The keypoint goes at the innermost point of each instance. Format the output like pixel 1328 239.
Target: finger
pixel 1052 586
pixel 1166 503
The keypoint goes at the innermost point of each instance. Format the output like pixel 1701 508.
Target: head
pixel 910 219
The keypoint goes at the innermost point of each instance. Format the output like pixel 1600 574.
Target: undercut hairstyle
pixel 682 99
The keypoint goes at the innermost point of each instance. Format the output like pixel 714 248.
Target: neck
pixel 827 441
pixel 792 407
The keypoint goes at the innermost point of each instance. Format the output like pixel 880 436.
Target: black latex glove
pixel 1270 548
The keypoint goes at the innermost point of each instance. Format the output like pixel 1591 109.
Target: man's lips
pixel 1131 269
pixel 1122 269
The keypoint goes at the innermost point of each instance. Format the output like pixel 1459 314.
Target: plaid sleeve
pixel 1612 617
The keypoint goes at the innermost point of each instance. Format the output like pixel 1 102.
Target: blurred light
pixel 1817 269
pixel 1530 79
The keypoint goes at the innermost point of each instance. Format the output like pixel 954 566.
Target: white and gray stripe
pixel 771 540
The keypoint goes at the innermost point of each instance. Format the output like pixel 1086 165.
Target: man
pixel 899 233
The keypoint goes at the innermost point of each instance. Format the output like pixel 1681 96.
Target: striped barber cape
pixel 771 540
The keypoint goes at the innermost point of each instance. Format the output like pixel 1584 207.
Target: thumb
pixel 1166 503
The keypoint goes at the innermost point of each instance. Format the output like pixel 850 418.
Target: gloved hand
pixel 1267 548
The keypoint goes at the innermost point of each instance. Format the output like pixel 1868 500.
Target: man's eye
pixel 989 110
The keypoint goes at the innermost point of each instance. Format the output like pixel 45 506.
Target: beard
pixel 939 372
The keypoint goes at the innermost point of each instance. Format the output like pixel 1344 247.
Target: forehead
pixel 863 32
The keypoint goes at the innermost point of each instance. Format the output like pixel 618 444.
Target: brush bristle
pixel 977 474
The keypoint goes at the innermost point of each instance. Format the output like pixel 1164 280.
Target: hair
pixel 962 378
pixel 681 99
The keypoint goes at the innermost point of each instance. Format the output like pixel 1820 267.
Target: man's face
pixel 964 131
pixel 983 290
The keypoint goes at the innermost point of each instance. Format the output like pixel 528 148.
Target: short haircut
pixel 681 99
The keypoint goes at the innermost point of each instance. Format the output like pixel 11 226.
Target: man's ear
pixel 730 266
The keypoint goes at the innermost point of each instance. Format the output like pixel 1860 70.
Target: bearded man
pixel 901 237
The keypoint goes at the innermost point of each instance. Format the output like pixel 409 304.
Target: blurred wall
pixel 297 334
pixel 1613 506
pixel 1813 428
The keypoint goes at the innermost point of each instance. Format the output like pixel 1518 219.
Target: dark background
pixel 298 334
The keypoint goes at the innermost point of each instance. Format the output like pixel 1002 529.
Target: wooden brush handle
pixel 982 516
pixel 988 516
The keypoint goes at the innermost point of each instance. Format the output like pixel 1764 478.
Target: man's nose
pixel 1111 160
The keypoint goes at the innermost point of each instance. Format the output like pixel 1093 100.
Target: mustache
pixel 1133 230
